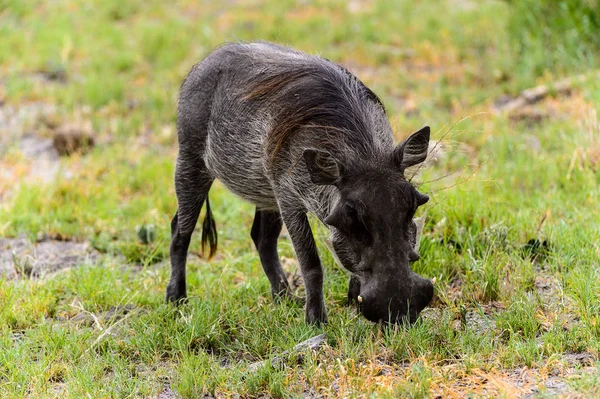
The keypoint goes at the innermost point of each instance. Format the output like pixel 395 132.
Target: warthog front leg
pixel 310 264
pixel 265 232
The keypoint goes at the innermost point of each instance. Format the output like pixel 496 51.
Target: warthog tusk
pixel 359 298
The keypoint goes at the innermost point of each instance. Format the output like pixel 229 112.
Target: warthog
pixel 294 133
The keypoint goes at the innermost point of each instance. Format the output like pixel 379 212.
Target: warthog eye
pixel 348 220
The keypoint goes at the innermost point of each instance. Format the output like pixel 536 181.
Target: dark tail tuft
pixel 209 232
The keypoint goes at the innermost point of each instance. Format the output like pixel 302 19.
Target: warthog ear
pixel 322 167
pixel 413 150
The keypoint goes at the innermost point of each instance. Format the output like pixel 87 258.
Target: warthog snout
pixel 393 301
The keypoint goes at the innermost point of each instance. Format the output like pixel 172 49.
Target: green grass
pixel 436 63
pixel 559 35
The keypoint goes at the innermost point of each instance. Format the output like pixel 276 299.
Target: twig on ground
pixel 313 343
pixel 538 93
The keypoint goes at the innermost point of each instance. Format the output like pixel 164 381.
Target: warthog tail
pixel 209 232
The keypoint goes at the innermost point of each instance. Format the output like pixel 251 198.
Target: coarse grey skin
pixel 293 133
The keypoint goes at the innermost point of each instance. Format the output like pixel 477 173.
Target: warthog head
pixel 373 233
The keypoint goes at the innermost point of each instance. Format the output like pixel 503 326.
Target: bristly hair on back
pixel 314 93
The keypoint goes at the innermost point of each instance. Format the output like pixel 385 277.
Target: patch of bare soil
pixel 42 156
pixel 516 383
pixel 15 125
pixel 16 121
pixel 21 258
pixel 557 308
pixel 33 139
pixel 168 393
pixel 551 380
